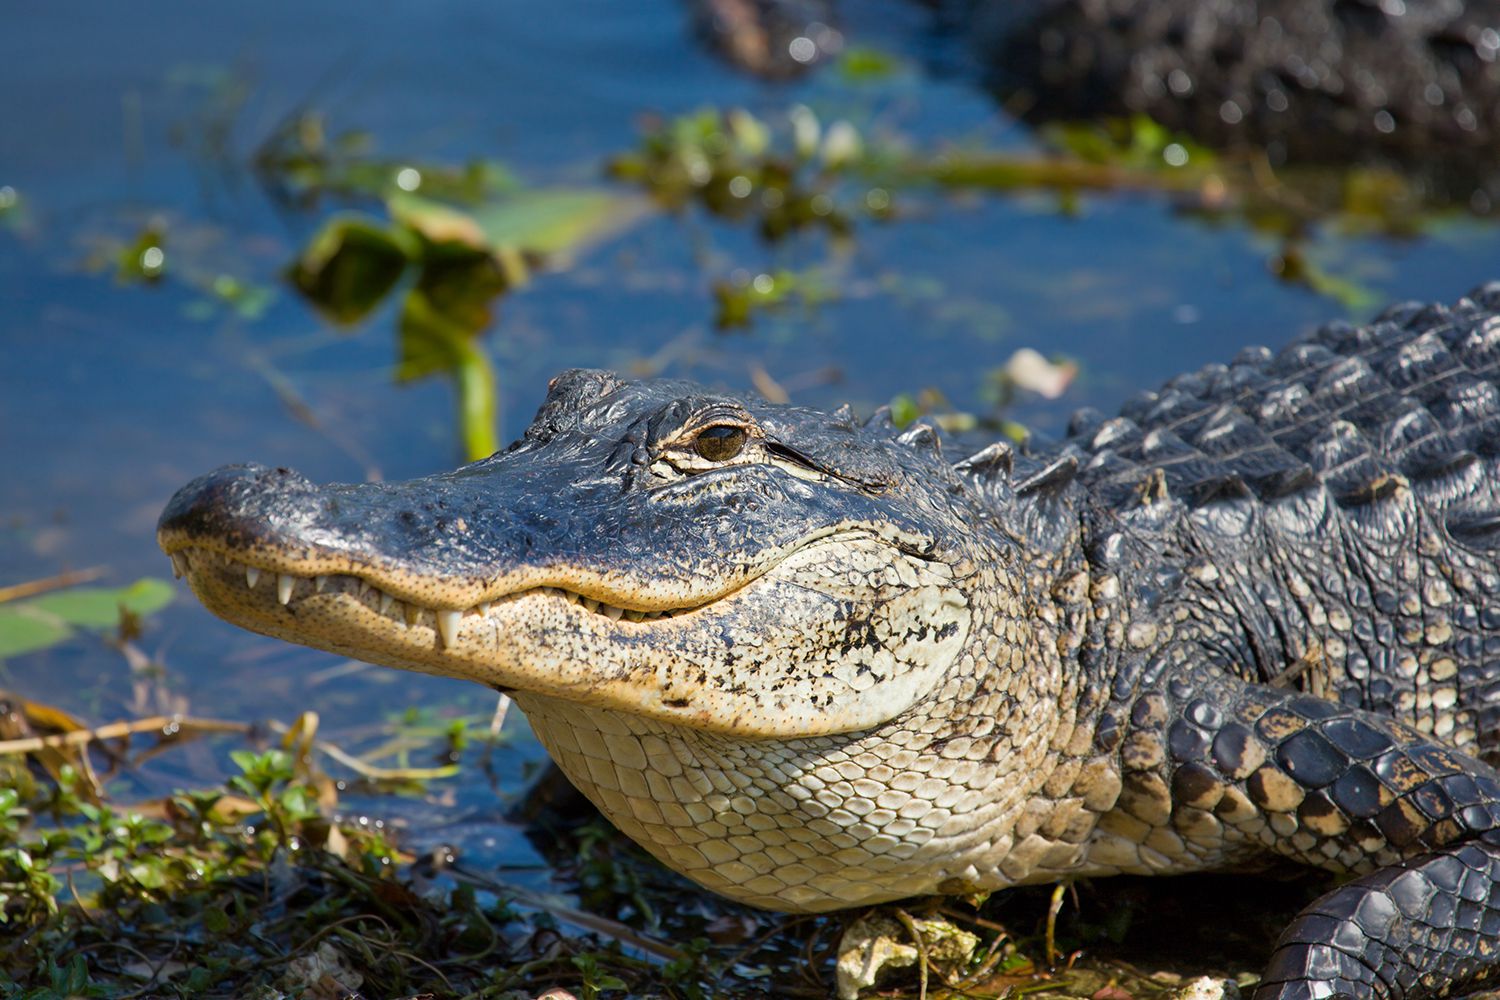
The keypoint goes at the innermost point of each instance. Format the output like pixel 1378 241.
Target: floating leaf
pixel 23 633
pixel 99 607
pixel 44 621
pixel 351 264
pixel 464 287
pixel 547 223
pixel 435 221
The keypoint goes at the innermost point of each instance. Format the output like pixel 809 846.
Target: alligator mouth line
pixel 290 587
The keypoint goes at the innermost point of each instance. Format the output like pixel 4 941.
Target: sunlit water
pixel 112 395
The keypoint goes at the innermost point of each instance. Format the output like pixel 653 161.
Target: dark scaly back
pixel 1326 516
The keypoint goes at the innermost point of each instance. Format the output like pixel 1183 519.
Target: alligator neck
pixel 991 780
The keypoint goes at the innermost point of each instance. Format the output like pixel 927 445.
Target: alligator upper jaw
pixel 232 586
pixel 448 543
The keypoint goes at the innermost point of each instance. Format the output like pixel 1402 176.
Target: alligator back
pixel 1332 510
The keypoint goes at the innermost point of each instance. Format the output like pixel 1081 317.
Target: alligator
pixel 812 664
pixel 1332 80
pixel 1415 83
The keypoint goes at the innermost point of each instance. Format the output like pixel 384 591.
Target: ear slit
pixel 788 453
pixel 794 456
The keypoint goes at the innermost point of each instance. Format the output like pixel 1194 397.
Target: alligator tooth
pixel 589 603
pixel 252 577
pixel 386 600
pixel 413 615
pixel 636 616
pixel 484 607
pixel 447 623
pixel 611 612
pixel 319 582
pixel 284 584
pixel 179 565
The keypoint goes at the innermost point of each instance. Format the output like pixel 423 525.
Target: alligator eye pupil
pixel 720 443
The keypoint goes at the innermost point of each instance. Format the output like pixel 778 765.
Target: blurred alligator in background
pixel 1328 80
pixel 812 664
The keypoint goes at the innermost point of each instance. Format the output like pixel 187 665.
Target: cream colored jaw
pixel 446 621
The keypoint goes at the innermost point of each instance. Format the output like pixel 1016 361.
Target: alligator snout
pixel 467 528
pixel 274 515
pixel 235 504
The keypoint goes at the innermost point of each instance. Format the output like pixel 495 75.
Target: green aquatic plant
pixel 791 173
pixel 787 175
pixel 450 264
pixel 35 623
pixel 742 296
pixel 302 162
pixel 12 208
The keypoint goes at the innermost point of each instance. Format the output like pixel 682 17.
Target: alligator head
pixel 662 574
pixel 647 547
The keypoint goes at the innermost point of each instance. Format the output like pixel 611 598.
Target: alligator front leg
pixel 1214 769
pixel 1428 926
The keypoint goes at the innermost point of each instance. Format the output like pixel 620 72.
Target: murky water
pixel 114 393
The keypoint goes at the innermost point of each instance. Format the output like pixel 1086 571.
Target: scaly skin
pixel 1321 81
pixel 1252 616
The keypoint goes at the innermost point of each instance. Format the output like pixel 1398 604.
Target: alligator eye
pixel 720 442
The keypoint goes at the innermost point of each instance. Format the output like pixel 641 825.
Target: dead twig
pixel 923 963
pixel 31 588
pixel 587 921
pixel 163 725
pixel 372 771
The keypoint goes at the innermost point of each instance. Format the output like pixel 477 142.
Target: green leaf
pixel 99 607
pixel 556 222
pixel 432 341
pixel 545 222
pixel 351 264
pixel 862 64
pixel 23 633
pixel 245 760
